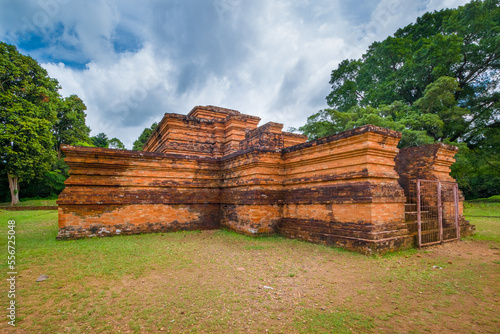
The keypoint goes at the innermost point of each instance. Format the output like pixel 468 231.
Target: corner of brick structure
pixel 430 162
pixel 342 190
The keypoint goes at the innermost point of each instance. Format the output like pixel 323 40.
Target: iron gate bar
pixel 455 198
pixel 419 220
pixel 457 220
pixel 440 212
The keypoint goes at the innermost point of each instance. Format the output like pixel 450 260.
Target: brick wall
pixel 216 168
pixel 428 162
pixel 136 192
pixel 252 191
pixel 343 190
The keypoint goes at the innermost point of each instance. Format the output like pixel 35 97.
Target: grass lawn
pixel 219 281
pixel 33 202
pixel 492 199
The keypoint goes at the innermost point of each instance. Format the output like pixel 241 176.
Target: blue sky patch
pixel 125 41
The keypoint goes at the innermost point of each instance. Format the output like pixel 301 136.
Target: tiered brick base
pixel 215 168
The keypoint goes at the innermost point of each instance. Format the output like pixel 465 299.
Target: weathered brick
pixel 216 167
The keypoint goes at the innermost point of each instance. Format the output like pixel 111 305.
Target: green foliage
pixel 28 108
pixel 116 144
pixel 434 80
pixel 50 184
pixel 345 94
pixel 462 44
pixel 428 120
pixel 35 122
pixel 139 143
pixel 70 127
pixel 475 177
pixel 101 140
pixel 84 143
pixel 477 167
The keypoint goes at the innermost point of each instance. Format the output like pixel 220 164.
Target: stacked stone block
pixel 216 168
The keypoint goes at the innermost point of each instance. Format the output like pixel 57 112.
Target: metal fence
pixel 433 205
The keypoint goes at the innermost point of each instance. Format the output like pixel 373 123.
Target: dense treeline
pixel 139 143
pixel 436 80
pixel 35 122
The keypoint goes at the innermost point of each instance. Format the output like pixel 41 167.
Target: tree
pixel 146 133
pixel 115 143
pixel 459 43
pixel 28 102
pixel 430 119
pixel 101 140
pixel 70 127
pixel 435 80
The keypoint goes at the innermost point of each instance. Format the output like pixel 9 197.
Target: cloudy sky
pixel 133 61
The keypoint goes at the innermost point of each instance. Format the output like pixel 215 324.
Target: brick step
pixel 343 232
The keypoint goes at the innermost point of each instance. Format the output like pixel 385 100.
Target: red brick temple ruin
pixel 216 168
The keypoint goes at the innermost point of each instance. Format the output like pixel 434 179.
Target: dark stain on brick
pixel 216 167
pixel 345 134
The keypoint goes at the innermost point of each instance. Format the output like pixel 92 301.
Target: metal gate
pixel 437 212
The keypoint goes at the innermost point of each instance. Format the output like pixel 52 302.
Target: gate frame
pixel 440 212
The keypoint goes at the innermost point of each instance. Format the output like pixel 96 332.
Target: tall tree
pixel 432 117
pixel 461 43
pixel 435 80
pixel 139 143
pixel 100 140
pixel 70 127
pixel 28 102
pixel 116 144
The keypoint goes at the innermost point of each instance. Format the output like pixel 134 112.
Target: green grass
pixel 482 209
pixel 486 217
pixel 37 235
pixel 492 199
pixel 342 321
pixel 34 202
pixel 190 281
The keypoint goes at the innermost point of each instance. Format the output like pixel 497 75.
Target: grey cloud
pixel 202 40
pixel 269 58
pixel 358 11
pixel 292 81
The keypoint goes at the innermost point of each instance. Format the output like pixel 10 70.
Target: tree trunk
pixel 14 189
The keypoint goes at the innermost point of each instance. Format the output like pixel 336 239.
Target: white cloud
pixel 272 59
pixel 119 95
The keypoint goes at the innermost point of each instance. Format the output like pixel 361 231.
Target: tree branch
pixel 485 160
